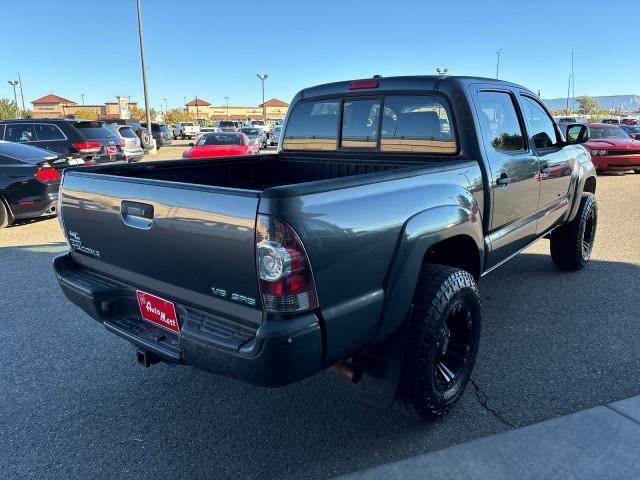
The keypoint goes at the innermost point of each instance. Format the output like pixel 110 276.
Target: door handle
pixel 136 214
pixel 503 180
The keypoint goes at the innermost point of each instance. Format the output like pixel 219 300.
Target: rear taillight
pixel 47 174
pixel 87 147
pixel 161 135
pixel 286 280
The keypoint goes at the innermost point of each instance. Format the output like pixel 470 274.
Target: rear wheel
pixel 572 243
pixel 443 340
pixel 4 215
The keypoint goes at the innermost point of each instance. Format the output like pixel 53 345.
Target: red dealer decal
pixel 158 311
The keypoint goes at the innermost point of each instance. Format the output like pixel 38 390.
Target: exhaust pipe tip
pixel 347 371
pixel 146 359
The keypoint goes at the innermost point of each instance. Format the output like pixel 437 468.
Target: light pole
pixel 21 92
pixel 165 105
pixel 82 95
pixel 263 77
pixel 197 109
pixel 498 62
pixel 13 83
pixel 144 76
pixel 226 99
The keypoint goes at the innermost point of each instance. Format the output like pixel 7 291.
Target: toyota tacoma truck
pixel 355 248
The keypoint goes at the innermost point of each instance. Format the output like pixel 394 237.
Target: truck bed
pixel 256 172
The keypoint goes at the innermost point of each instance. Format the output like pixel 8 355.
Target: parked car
pixel 611 147
pixel 610 121
pixel 160 133
pixel 29 182
pixel 141 132
pixel 185 130
pixel 256 135
pixel 222 144
pixel 204 130
pixel 129 141
pixel 274 138
pixel 629 121
pixel 257 124
pixel 227 126
pixel 88 140
pixel 633 132
pixel 356 248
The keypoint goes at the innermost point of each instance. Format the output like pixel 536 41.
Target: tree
pixel 137 113
pixel 587 104
pixel 86 114
pixel 176 115
pixel 7 109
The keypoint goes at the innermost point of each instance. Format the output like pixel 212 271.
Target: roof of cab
pixel 413 82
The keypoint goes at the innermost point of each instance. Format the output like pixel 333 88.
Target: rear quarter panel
pixel 353 237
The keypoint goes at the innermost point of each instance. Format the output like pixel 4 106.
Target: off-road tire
pixel 572 243
pixel 5 218
pixel 441 295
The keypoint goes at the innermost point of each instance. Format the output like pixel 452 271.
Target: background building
pixel 203 110
pixel 54 106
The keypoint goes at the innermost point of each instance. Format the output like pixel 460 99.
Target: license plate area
pixel 158 311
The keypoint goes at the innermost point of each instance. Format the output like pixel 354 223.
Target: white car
pixel 185 130
pixel 204 130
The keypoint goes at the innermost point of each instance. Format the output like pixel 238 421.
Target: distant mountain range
pixel 626 103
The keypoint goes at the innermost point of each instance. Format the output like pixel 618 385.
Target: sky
pixel 215 48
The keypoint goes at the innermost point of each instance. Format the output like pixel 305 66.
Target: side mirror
pixel 577 133
pixel 191 144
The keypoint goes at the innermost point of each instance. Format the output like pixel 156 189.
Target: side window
pixel 313 126
pixel 360 120
pixel 540 125
pixel 498 115
pixel 20 132
pixel 47 131
pixel 420 124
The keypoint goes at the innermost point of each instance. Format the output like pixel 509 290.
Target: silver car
pixel 129 141
pixel 256 135
pixel 274 137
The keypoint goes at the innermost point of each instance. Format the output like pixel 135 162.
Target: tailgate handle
pixel 136 214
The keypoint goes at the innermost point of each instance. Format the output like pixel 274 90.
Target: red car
pixel 612 149
pixel 222 144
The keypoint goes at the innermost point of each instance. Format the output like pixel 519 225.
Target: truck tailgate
pixel 187 243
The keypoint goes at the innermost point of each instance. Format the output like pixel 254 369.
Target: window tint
pixel 47 131
pixel 360 123
pixel 25 152
pixel 313 126
pixel 416 124
pixel 607 132
pixel 540 125
pixel 500 120
pixel 94 130
pixel 220 139
pixel 20 132
pixel 126 132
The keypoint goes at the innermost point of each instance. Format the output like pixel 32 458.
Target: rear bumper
pixel 277 353
pixel 34 206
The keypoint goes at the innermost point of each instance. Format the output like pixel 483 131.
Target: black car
pixel 88 140
pixel 28 182
pixel 137 127
pixel 160 133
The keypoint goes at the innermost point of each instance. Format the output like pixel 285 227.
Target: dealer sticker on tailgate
pixel 158 311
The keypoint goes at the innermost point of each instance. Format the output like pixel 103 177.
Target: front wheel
pixel 572 243
pixel 443 340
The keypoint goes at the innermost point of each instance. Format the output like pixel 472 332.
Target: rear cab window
pixel 388 124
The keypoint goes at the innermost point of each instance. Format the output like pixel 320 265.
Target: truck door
pixel 555 163
pixel 513 167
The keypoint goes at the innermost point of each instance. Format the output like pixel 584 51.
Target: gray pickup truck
pixel 355 248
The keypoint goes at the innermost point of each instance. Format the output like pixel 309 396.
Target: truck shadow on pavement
pixel 76 404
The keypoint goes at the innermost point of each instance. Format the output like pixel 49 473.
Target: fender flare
pixel 420 233
pixel 585 170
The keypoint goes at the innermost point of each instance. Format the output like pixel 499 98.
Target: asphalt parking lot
pixel 76 405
